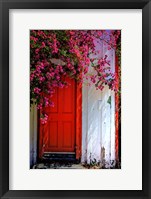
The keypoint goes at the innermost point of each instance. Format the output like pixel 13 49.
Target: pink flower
pixel 37 90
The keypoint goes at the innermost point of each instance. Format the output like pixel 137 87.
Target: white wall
pixel 33 135
pixel 98 121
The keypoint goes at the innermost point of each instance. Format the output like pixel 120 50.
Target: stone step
pixel 59 156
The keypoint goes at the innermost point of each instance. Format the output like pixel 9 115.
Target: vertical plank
pixel 112 127
pixel 78 120
pixel 94 131
pixel 112 63
pixel 106 126
pixel 33 135
pixel 117 115
pixel 106 115
pixel 84 122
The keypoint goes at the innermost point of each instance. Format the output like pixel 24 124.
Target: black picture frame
pixel 5 5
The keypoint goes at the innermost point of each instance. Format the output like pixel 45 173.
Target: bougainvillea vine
pixel 55 54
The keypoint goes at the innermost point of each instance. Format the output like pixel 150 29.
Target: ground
pixel 58 165
pixel 72 165
pixel 64 165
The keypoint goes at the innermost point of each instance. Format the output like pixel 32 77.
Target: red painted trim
pixel 40 137
pixel 117 113
pixel 78 120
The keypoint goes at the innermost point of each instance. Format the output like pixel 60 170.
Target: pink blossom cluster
pixel 44 118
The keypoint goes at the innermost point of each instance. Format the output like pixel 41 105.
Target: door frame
pixel 78 125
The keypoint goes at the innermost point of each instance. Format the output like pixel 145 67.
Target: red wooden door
pixel 59 133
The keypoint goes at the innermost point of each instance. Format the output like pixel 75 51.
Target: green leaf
pixel 109 100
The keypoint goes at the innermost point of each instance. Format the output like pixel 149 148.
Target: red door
pixel 59 133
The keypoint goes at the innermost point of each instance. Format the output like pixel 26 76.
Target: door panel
pixel 68 98
pixel 53 134
pixel 67 135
